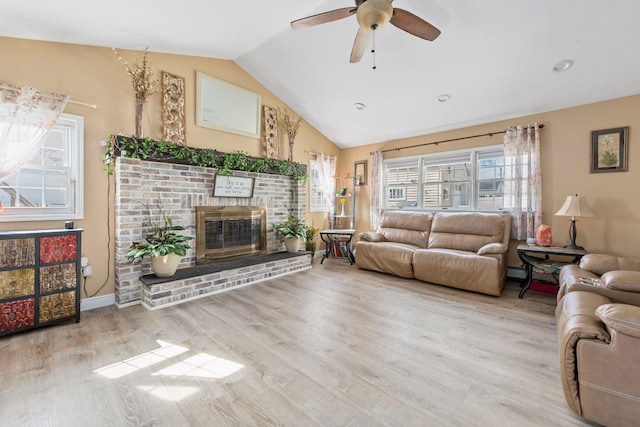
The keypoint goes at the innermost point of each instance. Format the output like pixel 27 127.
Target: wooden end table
pixel 539 259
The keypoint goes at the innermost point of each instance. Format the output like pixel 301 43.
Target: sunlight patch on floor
pixel 169 393
pixel 201 365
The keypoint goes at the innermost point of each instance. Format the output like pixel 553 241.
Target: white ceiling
pixel 494 57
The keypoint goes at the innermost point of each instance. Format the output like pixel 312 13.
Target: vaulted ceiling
pixel 494 58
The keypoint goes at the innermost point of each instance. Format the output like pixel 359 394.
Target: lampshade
pixel 575 206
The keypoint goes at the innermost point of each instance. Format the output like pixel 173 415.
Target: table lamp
pixel 575 207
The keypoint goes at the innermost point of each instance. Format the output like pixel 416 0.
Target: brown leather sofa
pixel 598 318
pixel 465 250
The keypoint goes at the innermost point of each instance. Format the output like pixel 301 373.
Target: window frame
pixel 423 161
pixel 72 128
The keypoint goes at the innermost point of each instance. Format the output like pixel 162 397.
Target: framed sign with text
pixel 233 186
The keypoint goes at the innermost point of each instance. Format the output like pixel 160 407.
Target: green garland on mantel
pixel 223 163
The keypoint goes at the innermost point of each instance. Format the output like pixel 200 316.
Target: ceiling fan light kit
pixel 371 16
pixel 374 14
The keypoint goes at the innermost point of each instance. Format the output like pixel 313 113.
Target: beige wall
pixel 565 156
pixel 94 75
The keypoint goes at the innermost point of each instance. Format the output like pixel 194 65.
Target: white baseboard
pixel 97 302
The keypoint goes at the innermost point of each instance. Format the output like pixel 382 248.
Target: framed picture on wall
pixel 609 150
pixel 224 106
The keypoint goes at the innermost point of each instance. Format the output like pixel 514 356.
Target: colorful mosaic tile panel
pixel 17 252
pixel 16 314
pixel 17 283
pixel 57 306
pixel 57 277
pixel 57 248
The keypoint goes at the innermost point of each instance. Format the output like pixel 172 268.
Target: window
pixel 401 179
pixel 50 185
pixel 317 200
pixel 465 179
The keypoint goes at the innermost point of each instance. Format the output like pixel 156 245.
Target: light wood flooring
pixel 332 346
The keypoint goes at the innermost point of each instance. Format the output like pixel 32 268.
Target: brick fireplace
pixel 181 189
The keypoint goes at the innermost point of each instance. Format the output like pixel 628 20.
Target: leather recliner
pixel 598 316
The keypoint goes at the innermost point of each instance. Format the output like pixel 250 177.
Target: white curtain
pixel 26 116
pixel 326 170
pixel 522 180
pixel 376 189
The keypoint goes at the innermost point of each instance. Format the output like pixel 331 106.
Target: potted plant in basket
pixel 293 231
pixel 163 245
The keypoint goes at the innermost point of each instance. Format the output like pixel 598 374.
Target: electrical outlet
pixel 84 261
pixel 87 271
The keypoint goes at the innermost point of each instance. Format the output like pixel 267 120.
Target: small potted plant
pixel 293 230
pixel 310 245
pixel 163 245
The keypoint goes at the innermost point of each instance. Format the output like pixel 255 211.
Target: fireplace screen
pixel 229 231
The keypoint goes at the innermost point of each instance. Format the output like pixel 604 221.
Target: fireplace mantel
pixel 224 163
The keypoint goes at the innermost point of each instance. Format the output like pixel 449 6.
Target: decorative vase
pixel 292 244
pixel 291 142
pixel 342 212
pixel 166 265
pixel 139 111
pixel 543 235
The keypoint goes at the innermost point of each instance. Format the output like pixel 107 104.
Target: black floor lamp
pixel 575 207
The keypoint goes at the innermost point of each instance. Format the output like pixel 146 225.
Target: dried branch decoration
pixel 290 123
pixel 144 85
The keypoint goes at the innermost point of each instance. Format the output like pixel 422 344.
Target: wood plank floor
pixel 332 346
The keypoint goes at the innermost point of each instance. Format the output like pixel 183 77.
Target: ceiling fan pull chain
pixel 373 48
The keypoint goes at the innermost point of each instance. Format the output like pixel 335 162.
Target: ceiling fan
pixel 372 15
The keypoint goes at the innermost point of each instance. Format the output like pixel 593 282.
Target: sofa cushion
pixel 406 227
pixel 601 263
pixel 459 269
pixel 622 280
pixel 387 257
pixel 465 231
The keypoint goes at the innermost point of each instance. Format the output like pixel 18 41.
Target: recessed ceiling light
pixel 359 106
pixel 563 65
pixel 444 97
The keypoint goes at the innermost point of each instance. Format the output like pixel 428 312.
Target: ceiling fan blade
pixel 322 18
pixel 360 44
pixel 412 24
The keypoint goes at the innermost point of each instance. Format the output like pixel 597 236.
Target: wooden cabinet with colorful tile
pixel 39 278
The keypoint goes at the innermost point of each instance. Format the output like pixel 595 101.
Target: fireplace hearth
pixel 224 232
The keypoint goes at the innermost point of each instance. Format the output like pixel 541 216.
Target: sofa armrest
pixel 623 318
pixel 577 321
pixel 600 263
pixel 622 280
pixel 372 236
pixel 493 248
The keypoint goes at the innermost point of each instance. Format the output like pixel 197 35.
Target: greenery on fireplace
pixel 224 163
